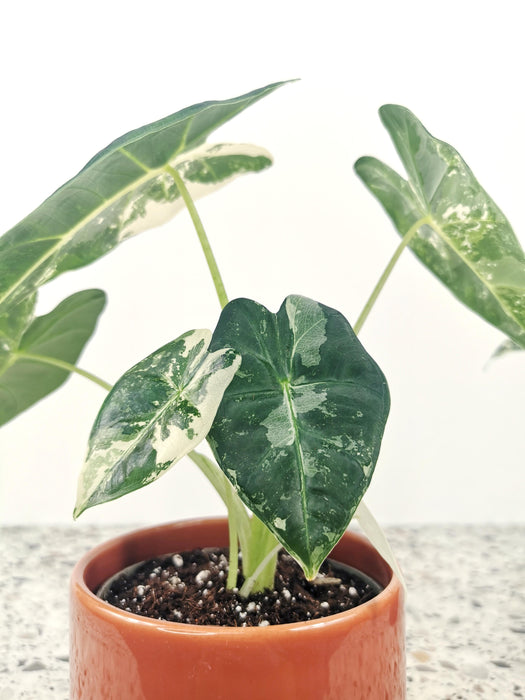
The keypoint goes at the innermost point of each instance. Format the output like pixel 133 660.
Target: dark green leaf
pixel 124 189
pixel 27 367
pixel 156 413
pixel 462 236
pixel 299 428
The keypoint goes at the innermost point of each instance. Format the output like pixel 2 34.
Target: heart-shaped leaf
pixel 32 351
pixel 124 189
pixel 462 236
pixel 299 428
pixel 156 413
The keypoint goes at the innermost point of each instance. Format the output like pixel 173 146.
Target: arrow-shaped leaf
pixel 32 352
pixel 156 413
pixel 299 428
pixel 126 188
pixel 460 233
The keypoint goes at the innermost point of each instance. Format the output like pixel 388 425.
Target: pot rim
pixel 113 614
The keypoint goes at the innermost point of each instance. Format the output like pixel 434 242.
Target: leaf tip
pixel 80 507
pixel 391 114
pixel 391 108
pixel 360 163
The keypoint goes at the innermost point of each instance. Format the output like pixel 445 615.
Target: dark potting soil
pixel 190 587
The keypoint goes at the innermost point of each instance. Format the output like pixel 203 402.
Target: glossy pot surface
pixel 115 655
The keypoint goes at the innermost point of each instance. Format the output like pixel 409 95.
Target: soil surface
pixel 190 587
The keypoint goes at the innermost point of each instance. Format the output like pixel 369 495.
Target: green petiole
pixel 62 364
pixel 201 233
pixel 405 241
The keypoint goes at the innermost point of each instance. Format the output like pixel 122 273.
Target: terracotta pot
pixel 115 655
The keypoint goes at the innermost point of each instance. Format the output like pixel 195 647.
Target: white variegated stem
pixel 238 519
pixel 262 542
pixel 233 557
pixel 377 537
pixel 224 489
pixel 255 540
pixel 62 364
pixel 201 233
pixel 405 241
pixel 248 585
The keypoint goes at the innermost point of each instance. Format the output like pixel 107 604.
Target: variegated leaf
pixel 124 189
pixel 32 351
pixel 156 413
pixel 299 428
pixel 462 236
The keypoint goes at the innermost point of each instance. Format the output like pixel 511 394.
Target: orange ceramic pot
pixel 115 655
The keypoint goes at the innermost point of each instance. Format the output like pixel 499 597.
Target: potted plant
pixel 290 403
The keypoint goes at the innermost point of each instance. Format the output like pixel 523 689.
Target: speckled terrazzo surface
pixel 465 609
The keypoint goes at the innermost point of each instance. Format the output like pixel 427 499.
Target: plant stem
pixel 248 585
pixel 405 241
pixel 260 560
pixel 233 558
pixel 233 524
pixel 238 519
pixel 62 364
pixel 201 233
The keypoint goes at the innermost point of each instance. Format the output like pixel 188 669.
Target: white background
pixel 77 75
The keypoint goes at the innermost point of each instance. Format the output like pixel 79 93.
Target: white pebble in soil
pixel 177 560
pixel 202 577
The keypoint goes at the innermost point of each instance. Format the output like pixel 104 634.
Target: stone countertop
pixel 465 609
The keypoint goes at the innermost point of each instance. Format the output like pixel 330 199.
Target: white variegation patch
pixel 312 467
pixel 459 212
pixel 279 426
pixel 165 445
pixel 156 213
pixel 368 469
pixel 92 476
pixel 279 423
pixel 308 398
pixel 308 324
